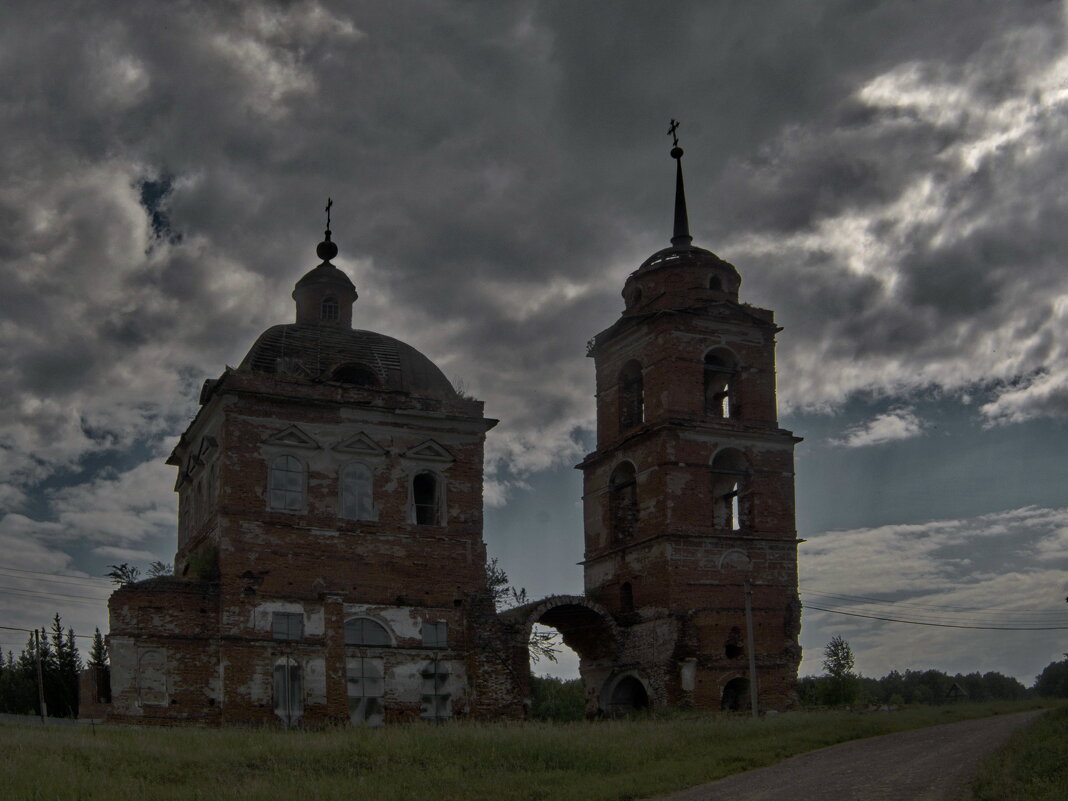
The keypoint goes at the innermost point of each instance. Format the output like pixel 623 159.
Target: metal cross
pixel 329 203
pixel 674 127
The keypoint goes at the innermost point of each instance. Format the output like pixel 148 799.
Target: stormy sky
pixel 888 177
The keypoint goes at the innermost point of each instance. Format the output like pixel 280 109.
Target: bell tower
pixel 690 538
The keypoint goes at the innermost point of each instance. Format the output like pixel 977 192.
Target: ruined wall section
pixel 164 652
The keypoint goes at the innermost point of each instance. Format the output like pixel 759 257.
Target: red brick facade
pixel 330 563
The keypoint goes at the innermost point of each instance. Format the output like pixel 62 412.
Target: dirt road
pixel 931 764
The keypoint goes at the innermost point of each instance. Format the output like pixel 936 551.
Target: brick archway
pixel 586 627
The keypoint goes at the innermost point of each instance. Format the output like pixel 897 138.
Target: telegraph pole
pixel 751 648
pixel 40 676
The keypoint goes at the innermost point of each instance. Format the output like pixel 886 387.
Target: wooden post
pixel 751 648
pixel 40 676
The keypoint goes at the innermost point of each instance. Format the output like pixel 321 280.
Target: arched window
pixel 715 284
pixel 285 484
pixel 623 502
pixel 288 690
pixel 364 631
pixel 631 396
pixel 721 378
pixel 328 311
pixel 426 499
pixel 356 503
pixel 730 491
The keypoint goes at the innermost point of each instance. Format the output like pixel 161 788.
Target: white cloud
pixel 991 570
pixel 888 427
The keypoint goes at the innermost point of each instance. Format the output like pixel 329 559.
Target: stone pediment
pixel 429 451
pixel 360 444
pixel 292 437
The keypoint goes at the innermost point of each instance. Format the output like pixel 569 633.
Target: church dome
pixel 349 357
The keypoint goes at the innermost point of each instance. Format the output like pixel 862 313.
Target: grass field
pixel 594 761
pixel 1033 765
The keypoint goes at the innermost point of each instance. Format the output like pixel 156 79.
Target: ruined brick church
pixel 330 562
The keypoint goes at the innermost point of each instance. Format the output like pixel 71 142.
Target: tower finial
pixel 327 249
pixel 681 237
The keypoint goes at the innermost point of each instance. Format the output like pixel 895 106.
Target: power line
pixel 939 625
pixel 30 631
pixel 37 594
pixel 884 602
pixel 87 580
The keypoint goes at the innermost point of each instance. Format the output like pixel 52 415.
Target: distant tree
pixel 1052 682
pixel 123 575
pixel 838 662
pixel 158 569
pixel 560 700
pixel 98 653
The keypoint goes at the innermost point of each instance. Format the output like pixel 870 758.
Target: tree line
pixel 841 685
pixel 60 665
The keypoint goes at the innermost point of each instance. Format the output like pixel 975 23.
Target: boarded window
pixel 287 625
pixel 288 691
pixel 364 631
pixel 286 484
pixel 366 686
pixel 436 635
pixel 623 502
pixel 631 396
pixel 152 677
pixel 356 492
pixel 437 700
pixel 426 499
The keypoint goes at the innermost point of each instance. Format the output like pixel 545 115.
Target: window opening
pixel 287 625
pixel 631 396
pixel 437 700
pixel 730 491
pixel 623 502
pixel 329 309
pixel 286 484
pixel 288 691
pixel 436 635
pixel 356 492
pixel 720 386
pixel 364 631
pixel 626 597
pixel 733 648
pixel 714 283
pixel 366 686
pixel 425 499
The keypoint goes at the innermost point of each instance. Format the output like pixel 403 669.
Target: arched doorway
pixel 735 695
pixel 627 694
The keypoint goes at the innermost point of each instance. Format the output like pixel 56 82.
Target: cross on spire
pixel 329 203
pixel 672 132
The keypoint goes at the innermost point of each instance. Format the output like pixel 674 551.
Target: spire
pixel 681 238
pixel 326 249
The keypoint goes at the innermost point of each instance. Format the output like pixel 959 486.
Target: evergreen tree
pixel 98 653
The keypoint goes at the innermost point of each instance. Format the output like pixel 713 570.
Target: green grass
pixel 595 761
pixel 1032 766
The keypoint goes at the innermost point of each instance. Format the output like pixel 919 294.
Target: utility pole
pixel 751 648
pixel 40 675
